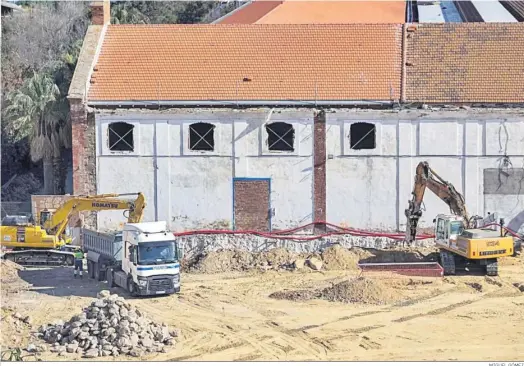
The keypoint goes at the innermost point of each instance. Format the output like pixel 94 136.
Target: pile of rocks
pixel 109 327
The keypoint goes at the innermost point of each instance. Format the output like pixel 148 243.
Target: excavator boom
pixel 57 223
pixel 427 178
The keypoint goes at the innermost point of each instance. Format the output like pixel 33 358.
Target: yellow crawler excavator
pixel 462 242
pixel 45 243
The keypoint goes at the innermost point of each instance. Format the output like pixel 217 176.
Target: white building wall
pixel 365 188
pixel 195 189
pixel 371 188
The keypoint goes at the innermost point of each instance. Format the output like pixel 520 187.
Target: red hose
pixel 280 234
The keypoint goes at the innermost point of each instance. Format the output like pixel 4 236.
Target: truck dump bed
pixel 107 245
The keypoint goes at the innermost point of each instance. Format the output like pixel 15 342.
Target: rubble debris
pixel 299 264
pixel 519 286
pixel 314 263
pixel 109 326
pixel 474 285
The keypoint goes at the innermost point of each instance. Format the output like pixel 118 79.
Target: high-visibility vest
pixel 79 255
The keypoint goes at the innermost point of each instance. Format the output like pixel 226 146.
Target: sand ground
pixel 230 316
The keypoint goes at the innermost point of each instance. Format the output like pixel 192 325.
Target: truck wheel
pixel 89 269
pixel 109 276
pixel 96 271
pixel 131 287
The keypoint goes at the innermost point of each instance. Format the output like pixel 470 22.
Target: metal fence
pixel 15 208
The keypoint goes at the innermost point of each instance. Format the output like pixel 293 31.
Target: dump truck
pixel 144 258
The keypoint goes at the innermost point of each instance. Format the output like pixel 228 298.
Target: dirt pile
pixel 360 290
pixel 9 271
pixel 238 260
pixel 109 326
pixel 338 258
pixel 334 258
pixel 10 280
pixel 295 295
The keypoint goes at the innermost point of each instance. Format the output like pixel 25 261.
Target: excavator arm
pixel 427 178
pixel 57 223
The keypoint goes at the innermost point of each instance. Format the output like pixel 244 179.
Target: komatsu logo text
pixel 104 205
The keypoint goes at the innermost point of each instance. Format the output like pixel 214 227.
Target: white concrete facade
pixel 365 188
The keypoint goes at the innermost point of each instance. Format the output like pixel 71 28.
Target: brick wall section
pixel 319 172
pixel 84 160
pixel 251 205
pixel 97 14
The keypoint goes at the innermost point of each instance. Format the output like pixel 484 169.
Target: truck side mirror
pixel 180 253
pixel 135 256
pixel 434 220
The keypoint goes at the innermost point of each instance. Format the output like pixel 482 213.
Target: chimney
pixel 100 12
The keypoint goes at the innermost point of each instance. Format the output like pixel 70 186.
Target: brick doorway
pixel 251 204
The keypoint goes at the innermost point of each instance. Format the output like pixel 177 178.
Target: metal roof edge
pixel 233 103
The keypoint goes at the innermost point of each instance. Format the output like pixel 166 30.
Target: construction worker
pixel 79 261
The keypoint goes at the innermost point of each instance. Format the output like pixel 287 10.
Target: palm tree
pixel 38 110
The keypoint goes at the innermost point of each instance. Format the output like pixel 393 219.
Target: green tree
pixel 39 111
pixel 126 13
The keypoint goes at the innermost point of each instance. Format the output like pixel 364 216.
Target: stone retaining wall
pixel 198 243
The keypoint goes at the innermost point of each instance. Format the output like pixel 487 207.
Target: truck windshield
pixel 158 252
pixel 456 227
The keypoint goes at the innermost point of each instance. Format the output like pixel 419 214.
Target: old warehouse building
pixel 270 126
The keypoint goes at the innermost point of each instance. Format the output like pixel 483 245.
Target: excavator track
pixel 41 257
pixel 447 261
pixel 492 268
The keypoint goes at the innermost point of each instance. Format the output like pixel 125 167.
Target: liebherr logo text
pixel 104 205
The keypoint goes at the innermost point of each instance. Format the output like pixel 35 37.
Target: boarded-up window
pixel 280 136
pixel 121 136
pixel 201 136
pixel 362 136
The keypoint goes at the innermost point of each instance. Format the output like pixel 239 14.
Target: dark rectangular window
pixel 362 136
pixel 280 136
pixel 201 136
pixel 121 136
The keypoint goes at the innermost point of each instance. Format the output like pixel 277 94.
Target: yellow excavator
pixel 46 243
pixel 462 241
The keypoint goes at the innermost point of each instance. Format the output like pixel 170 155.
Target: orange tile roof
pixel 248 62
pixel 465 63
pixel 340 12
pixel 249 13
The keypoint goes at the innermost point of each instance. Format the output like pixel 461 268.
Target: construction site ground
pixel 266 315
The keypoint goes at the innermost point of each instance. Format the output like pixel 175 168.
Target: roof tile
pixel 283 62
pixel 465 63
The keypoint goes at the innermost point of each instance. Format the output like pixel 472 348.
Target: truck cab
pixel 151 259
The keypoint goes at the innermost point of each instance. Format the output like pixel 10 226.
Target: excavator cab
pixel 45 215
pixel 447 229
